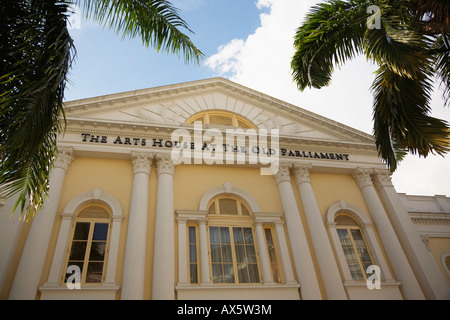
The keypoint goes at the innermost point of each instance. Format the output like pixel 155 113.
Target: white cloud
pixel 262 62
pixel 228 61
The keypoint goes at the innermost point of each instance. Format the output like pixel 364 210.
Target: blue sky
pixel 249 42
pixel 106 63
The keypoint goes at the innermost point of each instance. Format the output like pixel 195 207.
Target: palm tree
pixel 36 54
pixel 409 41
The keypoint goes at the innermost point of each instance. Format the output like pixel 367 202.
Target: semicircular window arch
pixel 222 118
pixel 226 205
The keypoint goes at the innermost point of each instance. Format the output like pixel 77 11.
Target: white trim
pixel 94 196
pixel 228 189
pixel 354 211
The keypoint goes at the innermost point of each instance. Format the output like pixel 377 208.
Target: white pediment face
pixel 173 105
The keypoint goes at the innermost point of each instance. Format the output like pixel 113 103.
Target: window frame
pixel 92 221
pixel 444 257
pixel 230 227
pixel 239 204
pixel 277 253
pixel 230 221
pixel 367 231
pixel 348 228
pixel 197 249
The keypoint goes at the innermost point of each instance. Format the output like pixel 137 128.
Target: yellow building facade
pixel 210 190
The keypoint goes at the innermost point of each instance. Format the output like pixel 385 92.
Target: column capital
pixel 283 173
pixel 64 158
pixel 301 173
pixel 164 164
pixel 362 177
pixel 382 178
pixel 142 162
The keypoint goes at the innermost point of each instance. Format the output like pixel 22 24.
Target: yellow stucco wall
pixel 439 246
pixel 191 182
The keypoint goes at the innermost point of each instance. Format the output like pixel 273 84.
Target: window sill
pixel 238 291
pixel 353 283
pixel 237 286
pixel 56 291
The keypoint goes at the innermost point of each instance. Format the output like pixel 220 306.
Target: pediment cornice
pixel 85 109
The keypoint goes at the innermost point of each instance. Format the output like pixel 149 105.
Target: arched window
pixel 88 245
pixel 354 246
pixel 232 242
pixel 445 259
pixel 223 118
pixel 87 220
pixel 355 243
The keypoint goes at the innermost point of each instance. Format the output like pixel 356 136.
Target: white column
pixel 110 277
pixel 29 271
pixel 428 274
pixel 327 262
pixel 204 256
pixel 134 263
pixel 264 258
pixel 58 256
pixel 300 251
pixel 284 253
pixel 164 251
pixel 410 286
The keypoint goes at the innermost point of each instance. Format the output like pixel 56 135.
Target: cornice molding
pixel 430 218
pixel 101 127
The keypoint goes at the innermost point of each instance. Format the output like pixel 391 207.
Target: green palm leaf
pixel 335 31
pixel 442 64
pixel 156 22
pixel 36 53
pixel 401 114
pixel 324 41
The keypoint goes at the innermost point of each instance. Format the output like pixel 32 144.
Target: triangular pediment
pixel 172 105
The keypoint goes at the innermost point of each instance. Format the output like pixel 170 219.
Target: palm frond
pixel 442 65
pixel 398 45
pixel 332 34
pixel 36 53
pixel 432 15
pixel 401 115
pixel 156 22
